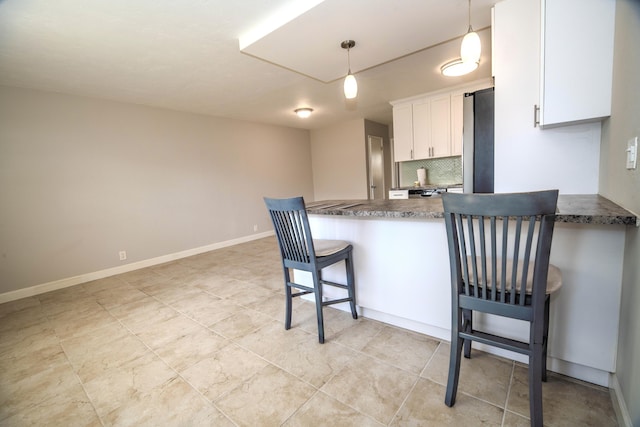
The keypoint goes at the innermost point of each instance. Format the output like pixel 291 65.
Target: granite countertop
pixel 579 209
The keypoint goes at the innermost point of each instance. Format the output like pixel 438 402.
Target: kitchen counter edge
pixel 578 209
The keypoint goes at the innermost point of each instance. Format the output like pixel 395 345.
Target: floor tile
pixel 223 371
pixel 425 407
pixel 205 308
pixel 158 334
pixel 272 339
pixel 191 348
pixel 482 375
pixel 173 404
pixel 69 410
pixel 564 401
pixel 372 387
pixel 314 362
pixel 39 386
pixel 404 349
pixel 92 357
pixel 116 387
pixel 240 324
pixel 359 334
pixel 324 411
pixel 268 398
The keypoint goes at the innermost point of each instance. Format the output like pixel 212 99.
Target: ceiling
pixel 185 55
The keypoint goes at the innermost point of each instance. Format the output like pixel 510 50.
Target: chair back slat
pixel 291 225
pixel 496 263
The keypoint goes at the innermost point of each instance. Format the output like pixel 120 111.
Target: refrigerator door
pixel 467 143
pixel 478 143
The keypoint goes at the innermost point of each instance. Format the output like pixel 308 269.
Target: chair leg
pixel 467 326
pixel 535 386
pixel 348 262
pixel 545 340
pixel 317 286
pixel 455 355
pixel 288 299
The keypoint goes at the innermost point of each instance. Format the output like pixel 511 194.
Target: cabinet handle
pixel 536 113
pixel 411 154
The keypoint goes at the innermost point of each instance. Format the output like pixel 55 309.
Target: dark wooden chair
pixel 499 246
pixel 301 252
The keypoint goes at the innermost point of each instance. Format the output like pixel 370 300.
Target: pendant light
pixel 350 83
pixel 470 48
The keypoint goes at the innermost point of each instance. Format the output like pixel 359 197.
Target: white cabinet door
pixel 577 60
pixel 421 130
pixel 403 132
pixel 456 123
pixel 441 126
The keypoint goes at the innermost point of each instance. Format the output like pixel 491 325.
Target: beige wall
pixel 339 161
pixel 81 179
pixel 623 186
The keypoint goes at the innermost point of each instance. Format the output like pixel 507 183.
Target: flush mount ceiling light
pixel 303 113
pixel 470 50
pixel 457 68
pixel 350 83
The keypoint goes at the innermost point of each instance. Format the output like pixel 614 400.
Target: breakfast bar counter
pixel 402 273
pixel 580 209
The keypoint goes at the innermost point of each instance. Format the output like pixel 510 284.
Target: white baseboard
pixel 87 277
pixel 619 406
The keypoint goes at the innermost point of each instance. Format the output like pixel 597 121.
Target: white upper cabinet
pixel 430 126
pixel 576 60
pixel 527 158
pixel 564 48
pixel 456 123
pixel 440 126
pixel 403 132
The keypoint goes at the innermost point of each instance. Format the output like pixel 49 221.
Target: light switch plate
pixel 632 152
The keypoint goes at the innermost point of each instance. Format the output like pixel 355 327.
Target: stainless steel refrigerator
pixel 477 145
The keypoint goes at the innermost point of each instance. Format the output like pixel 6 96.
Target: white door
pixel 376 168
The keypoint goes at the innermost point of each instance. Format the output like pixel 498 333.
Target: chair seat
pixel 325 247
pixel 554 277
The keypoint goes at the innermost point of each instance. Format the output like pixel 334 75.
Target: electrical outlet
pixel 123 255
pixel 255 227
pixel 632 152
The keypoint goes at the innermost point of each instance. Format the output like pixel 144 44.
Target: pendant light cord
pixel 470 29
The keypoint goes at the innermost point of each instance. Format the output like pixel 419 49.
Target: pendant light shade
pixel 350 87
pixel 350 83
pixel 470 49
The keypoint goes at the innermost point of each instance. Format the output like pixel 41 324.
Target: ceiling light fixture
pixel 470 51
pixel 350 83
pixel 303 113
pixel 457 68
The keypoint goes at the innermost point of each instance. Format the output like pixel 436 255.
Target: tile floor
pixel 200 341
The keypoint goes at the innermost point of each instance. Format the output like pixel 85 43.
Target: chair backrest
pixel 498 243
pixel 291 225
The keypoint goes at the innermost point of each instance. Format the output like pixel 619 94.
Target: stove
pixel 415 193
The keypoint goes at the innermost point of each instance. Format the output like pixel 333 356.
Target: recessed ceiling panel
pixel 383 30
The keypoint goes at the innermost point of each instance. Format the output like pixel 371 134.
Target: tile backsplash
pixel 441 171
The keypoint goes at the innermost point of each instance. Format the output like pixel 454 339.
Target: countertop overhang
pixel 572 208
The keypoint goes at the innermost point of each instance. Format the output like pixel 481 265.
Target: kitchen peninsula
pixel 402 273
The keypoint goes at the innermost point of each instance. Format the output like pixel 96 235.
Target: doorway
pixel 376 167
